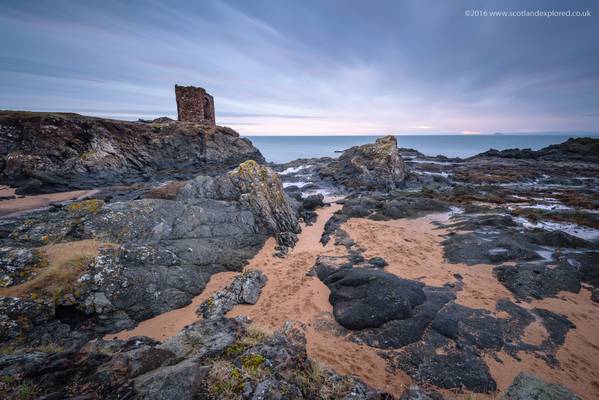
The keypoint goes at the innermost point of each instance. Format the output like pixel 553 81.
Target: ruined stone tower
pixel 194 105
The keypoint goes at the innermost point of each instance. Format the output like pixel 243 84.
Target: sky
pixel 309 67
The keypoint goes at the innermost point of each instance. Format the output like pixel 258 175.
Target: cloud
pixel 307 67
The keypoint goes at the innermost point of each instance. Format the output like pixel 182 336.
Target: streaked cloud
pixel 309 67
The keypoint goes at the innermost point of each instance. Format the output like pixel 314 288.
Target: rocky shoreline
pixel 513 252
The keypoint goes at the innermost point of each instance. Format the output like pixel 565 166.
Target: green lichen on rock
pixel 263 190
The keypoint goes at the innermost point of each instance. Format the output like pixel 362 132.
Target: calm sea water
pixel 280 149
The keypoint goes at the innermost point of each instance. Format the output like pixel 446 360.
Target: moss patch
pixel 57 271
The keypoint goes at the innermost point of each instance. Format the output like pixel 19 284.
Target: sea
pixel 281 149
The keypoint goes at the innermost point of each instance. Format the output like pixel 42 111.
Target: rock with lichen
pixel 210 359
pixel 526 386
pixel 370 166
pixel 162 251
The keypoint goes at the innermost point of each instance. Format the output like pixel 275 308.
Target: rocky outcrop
pixel 370 166
pixel 163 251
pixel 574 149
pixel 210 359
pixel 423 330
pixel 365 298
pixel 52 152
pixel 538 280
pixel 526 386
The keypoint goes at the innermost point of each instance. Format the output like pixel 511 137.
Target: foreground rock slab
pixel 526 387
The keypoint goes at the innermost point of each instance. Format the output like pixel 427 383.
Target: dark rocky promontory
pixel 54 152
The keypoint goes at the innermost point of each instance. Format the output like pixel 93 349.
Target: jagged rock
pixel 164 250
pixel 17 316
pixel 536 280
pixel 245 289
pixel 205 337
pixel 53 152
pixel 371 166
pixel 221 358
pixel 526 387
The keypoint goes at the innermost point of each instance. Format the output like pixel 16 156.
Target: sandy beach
pixel 412 247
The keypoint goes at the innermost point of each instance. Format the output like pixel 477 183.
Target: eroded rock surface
pixel 526 386
pixel 423 330
pixel 370 166
pixel 163 250
pixel 210 359
pixel 54 152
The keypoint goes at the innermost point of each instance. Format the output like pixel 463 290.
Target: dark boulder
pixel 436 360
pixel 378 262
pixel 313 201
pixel 367 298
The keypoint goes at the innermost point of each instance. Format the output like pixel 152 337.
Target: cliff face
pixel 52 152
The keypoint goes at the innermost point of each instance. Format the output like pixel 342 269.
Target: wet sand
pixel 290 294
pixel 13 207
pixel 412 247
